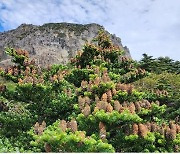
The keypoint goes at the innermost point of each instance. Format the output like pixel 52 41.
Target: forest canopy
pixel 101 101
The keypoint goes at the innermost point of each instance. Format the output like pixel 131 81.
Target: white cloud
pixel 150 26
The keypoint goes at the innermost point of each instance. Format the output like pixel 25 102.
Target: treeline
pixel 159 65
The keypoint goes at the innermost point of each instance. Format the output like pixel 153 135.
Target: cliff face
pixel 51 43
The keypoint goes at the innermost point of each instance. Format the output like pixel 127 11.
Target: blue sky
pixel 144 26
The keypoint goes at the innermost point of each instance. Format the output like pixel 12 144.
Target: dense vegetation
pixel 100 102
pixel 159 65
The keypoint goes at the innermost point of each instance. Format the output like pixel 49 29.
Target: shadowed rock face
pixel 51 43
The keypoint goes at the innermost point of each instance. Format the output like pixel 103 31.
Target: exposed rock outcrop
pixel 51 43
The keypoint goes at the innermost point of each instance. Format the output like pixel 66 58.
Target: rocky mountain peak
pixel 51 43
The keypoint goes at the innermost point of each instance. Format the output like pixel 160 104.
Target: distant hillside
pixel 51 43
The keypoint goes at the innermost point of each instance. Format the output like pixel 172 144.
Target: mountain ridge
pixel 52 43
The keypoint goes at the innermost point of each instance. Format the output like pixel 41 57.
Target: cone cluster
pixel 85 85
pixel 28 62
pixel 124 59
pixel 134 74
pixel 161 92
pixel 125 87
pixel 12 70
pixel 136 107
pixel 21 52
pixel 59 76
pixel 68 92
pixel 84 105
pixel 169 131
pixel 31 79
pixel 39 128
pixel 72 125
pixel 102 131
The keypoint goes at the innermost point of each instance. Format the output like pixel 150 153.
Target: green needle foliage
pixel 101 101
